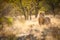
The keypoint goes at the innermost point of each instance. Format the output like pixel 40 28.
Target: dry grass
pixel 21 27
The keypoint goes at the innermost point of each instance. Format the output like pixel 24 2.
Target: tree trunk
pixel 30 13
pixel 53 9
pixel 36 12
pixel 23 9
pixel 37 7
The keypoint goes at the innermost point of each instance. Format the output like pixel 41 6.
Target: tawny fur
pixel 43 20
pixel 47 20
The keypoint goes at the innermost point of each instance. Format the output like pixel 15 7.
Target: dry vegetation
pixel 30 29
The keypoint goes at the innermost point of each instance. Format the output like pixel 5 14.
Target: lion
pixel 43 20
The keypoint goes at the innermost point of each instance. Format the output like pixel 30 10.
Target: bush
pixel 9 20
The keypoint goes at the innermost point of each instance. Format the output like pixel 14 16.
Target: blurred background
pixel 20 20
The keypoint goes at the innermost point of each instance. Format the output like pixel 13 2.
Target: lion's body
pixel 41 20
pixel 47 20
